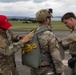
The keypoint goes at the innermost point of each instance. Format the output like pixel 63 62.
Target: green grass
pixel 56 23
pixel 19 25
pixel 59 27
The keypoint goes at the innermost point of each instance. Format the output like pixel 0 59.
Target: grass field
pixel 19 25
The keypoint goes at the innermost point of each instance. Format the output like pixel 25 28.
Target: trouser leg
pixel 42 71
pixel 74 70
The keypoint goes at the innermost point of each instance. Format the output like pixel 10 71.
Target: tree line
pixel 24 20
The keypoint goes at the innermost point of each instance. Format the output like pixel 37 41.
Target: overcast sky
pixel 30 7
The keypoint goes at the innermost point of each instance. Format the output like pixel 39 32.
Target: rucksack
pixel 32 58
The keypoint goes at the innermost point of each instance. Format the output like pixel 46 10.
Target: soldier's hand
pixel 26 38
pixel 18 37
pixel 62 73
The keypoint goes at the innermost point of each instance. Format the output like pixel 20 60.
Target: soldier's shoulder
pixel 49 32
pixel 50 35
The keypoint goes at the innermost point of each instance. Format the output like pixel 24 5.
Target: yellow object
pixel 31 32
pixel 28 47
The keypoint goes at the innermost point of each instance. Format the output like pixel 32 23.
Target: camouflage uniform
pixel 49 45
pixel 7 50
pixel 70 43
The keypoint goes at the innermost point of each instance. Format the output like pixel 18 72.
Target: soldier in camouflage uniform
pixel 49 47
pixel 8 48
pixel 69 42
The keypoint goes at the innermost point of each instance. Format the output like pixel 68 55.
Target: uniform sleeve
pixel 69 39
pixel 6 49
pixel 54 51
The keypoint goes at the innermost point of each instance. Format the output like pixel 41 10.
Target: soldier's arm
pixel 54 52
pixel 7 49
pixel 69 39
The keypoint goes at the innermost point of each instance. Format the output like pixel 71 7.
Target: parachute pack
pixel 31 56
pixel 31 51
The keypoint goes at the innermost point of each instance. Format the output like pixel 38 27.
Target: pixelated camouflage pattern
pixel 7 50
pixel 42 14
pixel 42 71
pixel 70 42
pixel 49 44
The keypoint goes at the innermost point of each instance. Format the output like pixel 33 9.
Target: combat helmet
pixel 41 15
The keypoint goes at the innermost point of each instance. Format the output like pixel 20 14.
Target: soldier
pixel 69 42
pixel 51 63
pixel 8 48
